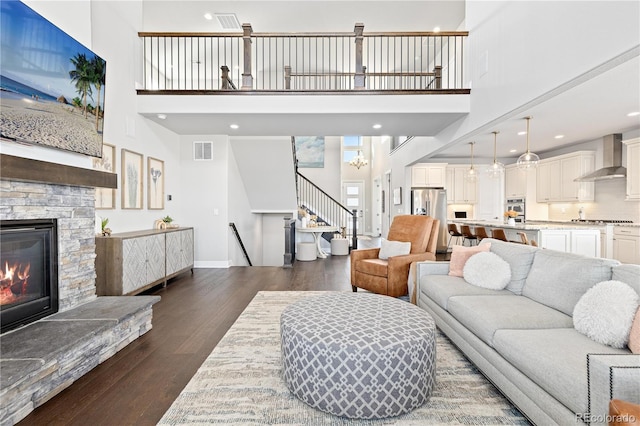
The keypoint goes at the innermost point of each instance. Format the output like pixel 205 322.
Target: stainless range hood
pixel 611 161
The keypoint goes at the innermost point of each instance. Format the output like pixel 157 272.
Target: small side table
pixel 317 231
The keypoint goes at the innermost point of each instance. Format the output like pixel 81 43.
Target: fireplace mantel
pixel 25 169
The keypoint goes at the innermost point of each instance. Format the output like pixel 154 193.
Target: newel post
pixel 247 78
pixel 224 84
pixel 354 236
pixel 437 70
pixel 358 79
pixel 287 77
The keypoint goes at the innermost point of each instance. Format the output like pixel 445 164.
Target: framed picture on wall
pixel 397 196
pixel 131 180
pixel 106 197
pixel 155 184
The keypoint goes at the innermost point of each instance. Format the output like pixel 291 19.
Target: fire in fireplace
pixel 28 271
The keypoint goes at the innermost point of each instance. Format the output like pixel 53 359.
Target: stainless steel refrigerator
pixel 432 202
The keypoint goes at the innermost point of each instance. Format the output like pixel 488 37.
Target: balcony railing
pixel 392 62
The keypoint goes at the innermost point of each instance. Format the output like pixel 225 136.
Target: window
pixel 350 147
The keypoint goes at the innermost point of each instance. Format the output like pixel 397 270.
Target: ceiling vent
pixel 228 21
pixel 203 151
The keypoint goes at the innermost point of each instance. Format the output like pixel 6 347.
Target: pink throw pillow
pixel 634 336
pixel 461 254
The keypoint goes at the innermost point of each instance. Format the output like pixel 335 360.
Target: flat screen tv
pixel 51 86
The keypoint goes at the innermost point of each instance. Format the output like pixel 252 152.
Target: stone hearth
pixel 41 359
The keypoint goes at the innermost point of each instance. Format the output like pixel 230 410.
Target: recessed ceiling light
pixel 377 126
pixel 436 29
pixel 522 133
pixel 513 150
pixel 559 136
pixel 208 16
pixel 633 114
pixel 162 116
pixel 234 126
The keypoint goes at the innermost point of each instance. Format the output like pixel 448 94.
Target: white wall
pixel 205 192
pixel 519 51
pixel 329 177
pixel 249 224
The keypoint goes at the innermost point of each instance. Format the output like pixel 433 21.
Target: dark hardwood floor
pixel 139 383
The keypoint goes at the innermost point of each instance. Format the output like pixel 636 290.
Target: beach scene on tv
pixel 51 86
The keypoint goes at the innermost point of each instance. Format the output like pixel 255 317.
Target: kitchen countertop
pixel 528 226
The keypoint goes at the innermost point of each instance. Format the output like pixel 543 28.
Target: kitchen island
pixel 562 236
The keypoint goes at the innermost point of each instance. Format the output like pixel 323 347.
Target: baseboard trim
pixel 212 264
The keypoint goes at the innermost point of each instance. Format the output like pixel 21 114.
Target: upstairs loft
pixel 413 82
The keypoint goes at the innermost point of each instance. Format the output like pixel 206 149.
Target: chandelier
pixel 529 159
pixel 496 169
pixel 359 160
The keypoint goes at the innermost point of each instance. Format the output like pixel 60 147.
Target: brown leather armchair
pixel 390 276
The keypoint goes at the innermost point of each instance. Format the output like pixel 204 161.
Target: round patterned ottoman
pixel 358 355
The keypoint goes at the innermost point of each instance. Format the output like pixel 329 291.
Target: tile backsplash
pixel 609 204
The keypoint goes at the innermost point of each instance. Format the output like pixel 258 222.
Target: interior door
pixel 377 208
pixel 353 199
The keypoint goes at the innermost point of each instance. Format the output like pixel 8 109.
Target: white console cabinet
pixel 131 262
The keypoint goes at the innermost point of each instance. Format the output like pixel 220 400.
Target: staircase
pixel 328 210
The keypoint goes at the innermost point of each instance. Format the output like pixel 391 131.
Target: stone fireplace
pixel 40 359
pixel 72 208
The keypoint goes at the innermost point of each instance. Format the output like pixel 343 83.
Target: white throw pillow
pixel 487 270
pixel 393 248
pixel 605 313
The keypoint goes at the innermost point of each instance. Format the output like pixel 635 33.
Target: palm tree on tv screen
pixel 98 71
pixel 82 77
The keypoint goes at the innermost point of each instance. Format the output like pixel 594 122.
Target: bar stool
pixel 481 232
pixel 525 240
pixel 468 235
pixel 453 232
pixel 498 234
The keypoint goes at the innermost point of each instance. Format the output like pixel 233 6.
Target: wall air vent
pixel 228 21
pixel 203 150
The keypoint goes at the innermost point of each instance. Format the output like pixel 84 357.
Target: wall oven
pixel 517 205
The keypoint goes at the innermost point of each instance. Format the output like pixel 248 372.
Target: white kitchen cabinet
pixel 559 240
pixel 626 244
pixel 633 169
pixel 460 190
pixel 578 241
pixel 586 243
pixel 555 178
pixel 428 175
pixel 547 181
pixel 515 182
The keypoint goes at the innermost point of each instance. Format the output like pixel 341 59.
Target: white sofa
pixel 522 338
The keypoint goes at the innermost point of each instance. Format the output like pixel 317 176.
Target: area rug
pixel 240 383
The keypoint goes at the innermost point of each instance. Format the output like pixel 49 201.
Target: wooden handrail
pixel 303 34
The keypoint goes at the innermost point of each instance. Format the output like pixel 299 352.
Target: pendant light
pixel 472 173
pixel 528 160
pixel 496 169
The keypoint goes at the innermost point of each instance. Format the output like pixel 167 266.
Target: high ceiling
pixel 585 112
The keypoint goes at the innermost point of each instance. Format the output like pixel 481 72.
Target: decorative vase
pixel 511 221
